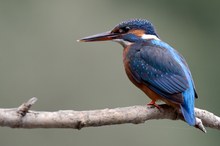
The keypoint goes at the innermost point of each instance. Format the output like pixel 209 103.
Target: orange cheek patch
pixel 137 32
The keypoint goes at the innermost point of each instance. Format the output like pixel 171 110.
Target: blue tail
pixel 187 107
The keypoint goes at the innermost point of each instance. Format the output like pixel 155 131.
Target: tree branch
pixel 22 117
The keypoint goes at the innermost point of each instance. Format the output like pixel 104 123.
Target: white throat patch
pixel 127 43
pixel 123 42
pixel 149 37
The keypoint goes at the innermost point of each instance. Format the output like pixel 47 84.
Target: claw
pixel 153 103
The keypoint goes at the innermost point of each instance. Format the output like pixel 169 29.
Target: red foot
pixel 153 103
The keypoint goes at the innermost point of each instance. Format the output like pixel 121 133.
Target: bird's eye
pixel 124 29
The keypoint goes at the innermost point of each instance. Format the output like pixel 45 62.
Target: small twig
pixel 199 125
pixel 25 107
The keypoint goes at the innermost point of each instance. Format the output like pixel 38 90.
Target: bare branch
pixel 22 117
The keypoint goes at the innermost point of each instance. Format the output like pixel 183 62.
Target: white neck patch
pixel 144 36
pixel 149 37
pixel 123 42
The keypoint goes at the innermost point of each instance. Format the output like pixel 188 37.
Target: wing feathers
pixel 156 67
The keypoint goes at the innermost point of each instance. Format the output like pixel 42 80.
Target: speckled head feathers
pixel 142 24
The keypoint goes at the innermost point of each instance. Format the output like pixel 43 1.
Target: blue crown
pixel 143 24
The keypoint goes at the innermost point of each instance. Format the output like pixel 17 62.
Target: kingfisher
pixel 153 65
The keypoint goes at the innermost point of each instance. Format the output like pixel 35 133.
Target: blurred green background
pixel 39 56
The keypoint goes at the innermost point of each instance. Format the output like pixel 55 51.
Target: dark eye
pixel 124 29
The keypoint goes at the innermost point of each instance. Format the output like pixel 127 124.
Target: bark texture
pixel 23 117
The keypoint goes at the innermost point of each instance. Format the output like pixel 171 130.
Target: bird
pixel 153 66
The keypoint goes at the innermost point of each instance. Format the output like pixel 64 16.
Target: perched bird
pixel 153 65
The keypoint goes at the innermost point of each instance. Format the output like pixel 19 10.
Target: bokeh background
pixel 39 56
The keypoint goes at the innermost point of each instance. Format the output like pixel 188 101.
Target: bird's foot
pixel 153 103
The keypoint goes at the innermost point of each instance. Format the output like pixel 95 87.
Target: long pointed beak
pixel 105 36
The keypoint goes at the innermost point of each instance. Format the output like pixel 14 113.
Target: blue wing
pixel 184 62
pixel 157 67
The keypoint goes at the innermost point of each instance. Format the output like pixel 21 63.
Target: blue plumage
pixel 159 66
pixel 141 24
pixel 153 65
